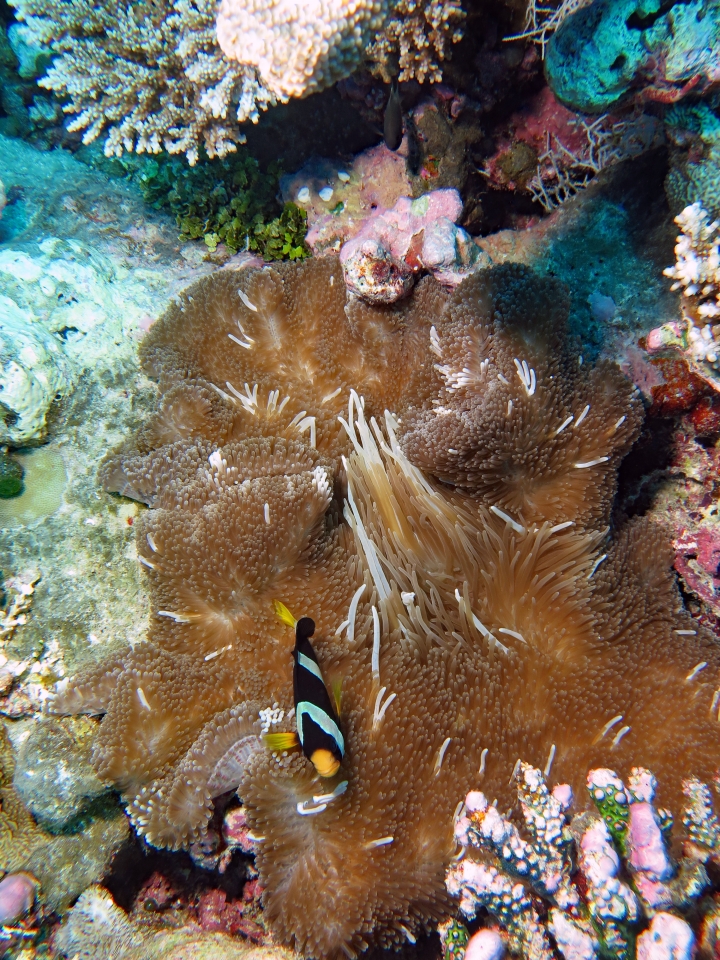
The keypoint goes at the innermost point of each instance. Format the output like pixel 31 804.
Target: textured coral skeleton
pixel 431 481
pixel 150 76
pixel 164 75
pixel 601 878
pixel 697 263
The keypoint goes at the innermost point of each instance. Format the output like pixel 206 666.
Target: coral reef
pixel 694 129
pixel 469 598
pixel 53 775
pixel 416 38
pixel 150 78
pixel 228 201
pixel 572 869
pixel 611 50
pixel 171 76
pixel 86 263
pixel 33 367
pixel 553 153
pixel 96 927
pixel 338 199
pixel 697 273
pixel 11 476
pixel 301 49
pixel 19 834
pixel 381 260
pixel 16 597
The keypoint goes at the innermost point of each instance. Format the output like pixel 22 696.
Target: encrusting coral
pixel 473 611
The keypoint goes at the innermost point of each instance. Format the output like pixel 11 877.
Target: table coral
pixel 455 557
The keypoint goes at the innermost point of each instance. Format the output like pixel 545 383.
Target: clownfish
pixel 318 725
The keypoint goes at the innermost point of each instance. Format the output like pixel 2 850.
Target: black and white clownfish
pixel 318 725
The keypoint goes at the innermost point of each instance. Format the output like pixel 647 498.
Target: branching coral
pixel 467 597
pixel 161 75
pixel 562 173
pixel 598 879
pixel 543 19
pixel 298 49
pixel 416 39
pixel 697 263
pixel 149 74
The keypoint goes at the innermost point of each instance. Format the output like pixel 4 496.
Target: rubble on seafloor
pixel 589 885
pixel 96 927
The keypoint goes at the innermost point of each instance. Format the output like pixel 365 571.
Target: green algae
pixel 230 201
pixel 11 477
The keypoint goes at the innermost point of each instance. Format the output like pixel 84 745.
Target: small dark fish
pixel 318 725
pixel 393 125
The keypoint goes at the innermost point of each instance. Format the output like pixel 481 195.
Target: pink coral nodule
pixel 17 895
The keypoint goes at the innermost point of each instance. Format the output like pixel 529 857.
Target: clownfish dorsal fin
pixel 284 614
pixel 336 688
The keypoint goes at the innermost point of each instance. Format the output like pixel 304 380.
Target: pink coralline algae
pixel 217 912
pixel 17 896
pixel 339 199
pixel 381 262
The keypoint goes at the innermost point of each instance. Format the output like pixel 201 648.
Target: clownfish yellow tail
pixel 282 611
pixel 277 742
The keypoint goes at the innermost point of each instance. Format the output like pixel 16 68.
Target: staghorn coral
pixel 149 74
pixel 474 611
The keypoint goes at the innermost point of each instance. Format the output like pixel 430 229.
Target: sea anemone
pixel 431 482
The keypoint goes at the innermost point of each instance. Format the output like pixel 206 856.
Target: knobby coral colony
pixel 454 554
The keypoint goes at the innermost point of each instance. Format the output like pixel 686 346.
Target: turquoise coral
pixel 614 49
pixel 694 176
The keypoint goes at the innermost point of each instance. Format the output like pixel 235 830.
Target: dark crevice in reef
pixel 427 948
pixel 645 468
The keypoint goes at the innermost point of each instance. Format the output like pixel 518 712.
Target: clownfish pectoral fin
pixel 277 742
pixel 337 693
pixel 282 611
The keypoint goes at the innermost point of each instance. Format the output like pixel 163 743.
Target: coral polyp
pixel 431 482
